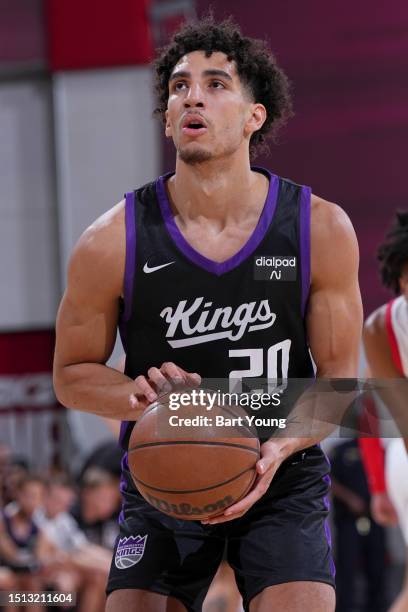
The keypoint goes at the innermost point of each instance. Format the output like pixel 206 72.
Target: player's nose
pixel 194 96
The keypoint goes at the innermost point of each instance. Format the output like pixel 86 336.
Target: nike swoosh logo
pixel 147 270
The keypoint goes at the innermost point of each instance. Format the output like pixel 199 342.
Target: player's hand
pixel 356 504
pixel 266 467
pixel 160 380
pixel 382 510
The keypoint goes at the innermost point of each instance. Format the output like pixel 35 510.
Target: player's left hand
pixel 266 467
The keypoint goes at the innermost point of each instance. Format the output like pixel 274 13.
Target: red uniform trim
pixel 396 357
pixel 372 455
pixel 372 452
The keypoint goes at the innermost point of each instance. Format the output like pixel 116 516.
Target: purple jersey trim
pixel 305 199
pixel 130 254
pixel 123 486
pixel 122 432
pixel 327 531
pixel 249 247
pixel 130 223
pixel 326 502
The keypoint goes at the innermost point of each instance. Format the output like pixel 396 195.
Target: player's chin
pixel 193 154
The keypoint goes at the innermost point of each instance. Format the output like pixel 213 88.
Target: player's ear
pixel 167 129
pixel 403 284
pixel 256 119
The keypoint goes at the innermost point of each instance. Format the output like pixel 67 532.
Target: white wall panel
pixel 107 143
pixel 28 231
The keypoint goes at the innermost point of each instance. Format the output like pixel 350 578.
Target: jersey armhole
pixel 130 263
pixel 396 357
pixel 304 238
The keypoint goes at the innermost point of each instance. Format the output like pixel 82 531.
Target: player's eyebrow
pixel 179 74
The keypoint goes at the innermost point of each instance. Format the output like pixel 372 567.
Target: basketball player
pixel 386 346
pixel 175 264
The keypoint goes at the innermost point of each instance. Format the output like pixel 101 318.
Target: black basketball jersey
pixel 240 318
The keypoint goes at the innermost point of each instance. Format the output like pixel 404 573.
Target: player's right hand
pixel 382 509
pixel 161 380
pixel 356 504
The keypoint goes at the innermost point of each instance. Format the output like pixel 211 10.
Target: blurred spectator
pixel 14 470
pixel 107 456
pixel 22 546
pixel 8 582
pixel 53 517
pixel 5 455
pixel 77 565
pixel 360 540
pixel 98 507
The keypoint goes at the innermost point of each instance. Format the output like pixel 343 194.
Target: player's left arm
pixel 334 322
pixel 334 317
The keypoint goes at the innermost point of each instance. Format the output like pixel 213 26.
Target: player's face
pixel 404 281
pixel 210 113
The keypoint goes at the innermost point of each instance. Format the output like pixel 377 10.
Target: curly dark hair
pixel 256 67
pixel 393 252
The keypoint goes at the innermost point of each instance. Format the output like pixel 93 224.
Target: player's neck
pixel 215 189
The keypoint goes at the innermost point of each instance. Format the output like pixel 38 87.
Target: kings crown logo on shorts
pixel 275 267
pixel 129 551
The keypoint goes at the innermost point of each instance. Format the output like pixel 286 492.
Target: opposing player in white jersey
pixel 386 347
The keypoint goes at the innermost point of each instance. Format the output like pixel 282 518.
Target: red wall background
pixel 348 62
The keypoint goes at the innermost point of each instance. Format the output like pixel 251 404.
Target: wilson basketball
pixel 193 462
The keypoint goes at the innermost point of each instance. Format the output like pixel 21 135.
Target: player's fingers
pixel 380 518
pixel 222 519
pixel 159 380
pixel 236 510
pixel 263 465
pixel 138 401
pixel 239 509
pixel 266 464
pixel 244 504
pixel 192 378
pixel 394 518
pixel 144 388
pixel 173 372
pixel 260 488
pixel 134 401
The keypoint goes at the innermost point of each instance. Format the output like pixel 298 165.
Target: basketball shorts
pixel 284 537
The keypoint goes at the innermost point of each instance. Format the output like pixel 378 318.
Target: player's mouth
pixel 194 125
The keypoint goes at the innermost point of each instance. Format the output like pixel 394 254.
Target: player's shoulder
pixel 331 228
pixel 375 324
pixel 376 341
pixel 100 252
pixel 105 236
pixel 328 215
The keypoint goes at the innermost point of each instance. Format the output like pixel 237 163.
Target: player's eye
pixel 217 85
pixel 179 85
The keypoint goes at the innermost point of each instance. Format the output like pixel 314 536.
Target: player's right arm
pixel 86 330
pixel 86 323
pixel 377 346
pixel 382 366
